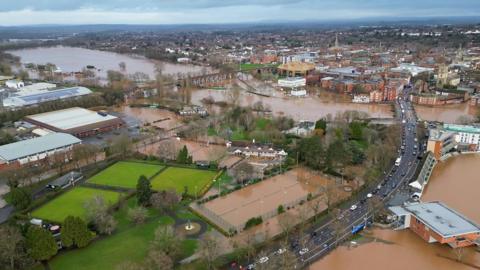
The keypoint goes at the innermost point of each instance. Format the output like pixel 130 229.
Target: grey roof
pixel 19 100
pixel 17 150
pixel 442 219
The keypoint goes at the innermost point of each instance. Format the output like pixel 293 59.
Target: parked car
pixel 353 207
pixel 303 251
pixel 263 259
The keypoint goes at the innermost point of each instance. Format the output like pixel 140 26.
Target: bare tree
pixel 128 265
pixel 158 260
pixel 459 253
pixel 11 248
pixel 97 214
pixel 286 221
pixel 330 194
pixel 167 150
pixel 165 200
pixel 242 172
pixel 167 241
pixel 209 249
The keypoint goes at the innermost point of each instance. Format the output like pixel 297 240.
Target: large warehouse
pixel 23 99
pixel 76 121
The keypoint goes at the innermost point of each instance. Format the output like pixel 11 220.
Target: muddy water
pixel 310 108
pixel 455 182
pixel 265 197
pixel 448 114
pixel 395 251
pixel 169 119
pixel 70 59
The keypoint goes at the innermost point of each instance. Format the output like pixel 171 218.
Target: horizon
pixel 183 12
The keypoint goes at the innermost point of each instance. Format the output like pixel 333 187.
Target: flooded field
pixel 263 199
pixel 198 150
pixel 155 117
pixel 71 59
pixel 395 250
pixel 455 182
pixel 310 108
pixel 448 114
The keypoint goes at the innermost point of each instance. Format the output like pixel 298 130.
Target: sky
pixel 28 12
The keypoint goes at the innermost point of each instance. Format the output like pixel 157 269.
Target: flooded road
pixel 448 114
pixel 71 59
pixel 455 182
pixel 310 108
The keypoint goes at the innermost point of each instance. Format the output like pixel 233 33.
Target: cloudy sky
pixel 26 12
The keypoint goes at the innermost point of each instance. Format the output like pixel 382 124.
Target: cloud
pixel 17 12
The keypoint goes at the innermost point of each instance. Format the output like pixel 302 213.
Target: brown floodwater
pixel 455 182
pixel 265 197
pixel 155 117
pixel 448 113
pixel 310 108
pixel 72 59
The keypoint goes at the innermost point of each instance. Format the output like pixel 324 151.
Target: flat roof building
pixel 76 121
pixel 36 149
pixel 18 100
pixel 436 222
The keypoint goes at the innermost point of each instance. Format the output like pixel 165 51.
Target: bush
pixel 253 222
pixel 137 215
pixel 280 209
pixel 20 198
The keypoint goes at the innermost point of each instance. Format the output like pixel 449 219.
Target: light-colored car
pixel 353 207
pixel 303 251
pixel 280 251
pixel 263 259
pixel 251 266
pixel 369 195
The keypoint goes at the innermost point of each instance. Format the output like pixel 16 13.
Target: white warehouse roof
pixel 17 150
pixel 71 118
pixel 26 99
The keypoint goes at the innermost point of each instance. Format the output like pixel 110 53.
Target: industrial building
pixel 76 121
pixel 18 100
pixel 436 222
pixel 17 154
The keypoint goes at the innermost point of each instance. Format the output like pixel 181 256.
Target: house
pixel 14 84
pixel 304 128
pixel 255 151
pixel 436 222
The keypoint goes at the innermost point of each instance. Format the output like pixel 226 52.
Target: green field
pixel 128 243
pixel 178 178
pixel 124 174
pixel 72 203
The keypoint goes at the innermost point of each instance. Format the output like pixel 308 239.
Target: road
pixel 324 237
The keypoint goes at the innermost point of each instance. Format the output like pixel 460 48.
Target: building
pixel 411 69
pixel 292 82
pixel 361 98
pixel 255 151
pixel 76 121
pixel 296 69
pixel 440 142
pixel 436 222
pixel 18 100
pixel 32 88
pixel 14 84
pixel 424 175
pixel 465 135
pixel 303 129
pixel 17 154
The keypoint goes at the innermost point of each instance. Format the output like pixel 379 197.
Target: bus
pixel 397 162
pixel 356 229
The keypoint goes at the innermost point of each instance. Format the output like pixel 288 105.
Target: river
pixel 454 182
pixel 72 59
pixel 448 113
pixel 310 108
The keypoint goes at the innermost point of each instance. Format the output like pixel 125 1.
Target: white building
pixel 36 149
pixel 413 69
pixel 361 99
pixel 465 134
pixel 298 93
pixel 14 84
pixel 292 82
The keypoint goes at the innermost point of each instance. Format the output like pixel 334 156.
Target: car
pixel 251 266
pixel 403 173
pixel 379 186
pixel 325 245
pixel 369 195
pixel 353 207
pixel 280 251
pixel 341 216
pixel 303 251
pixel 313 234
pixel 263 259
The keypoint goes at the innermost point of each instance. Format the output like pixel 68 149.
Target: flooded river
pixel 310 108
pixel 71 59
pixel 455 182
pixel 448 114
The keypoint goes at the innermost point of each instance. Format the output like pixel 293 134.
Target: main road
pixel 324 237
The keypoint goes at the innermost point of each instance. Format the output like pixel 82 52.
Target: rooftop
pixel 442 219
pixel 297 66
pixel 462 128
pixel 17 150
pixel 70 118
pixel 20 100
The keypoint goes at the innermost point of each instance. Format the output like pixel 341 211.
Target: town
pixel 275 146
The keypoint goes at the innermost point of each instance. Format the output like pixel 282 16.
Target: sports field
pixel 124 174
pixel 177 178
pixel 72 203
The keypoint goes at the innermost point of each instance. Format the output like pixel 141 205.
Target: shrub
pixel 253 222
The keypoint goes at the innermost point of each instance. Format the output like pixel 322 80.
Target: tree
pixel 167 240
pixel 20 198
pixel 41 245
pixel 183 157
pixel 12 248
pixel 121 145
pixel 164 200
pixel 209 249
pixel 97 214
pixel 158 260
pixel 312 152
pixel 144 191
pixel 286 221
pixel 137 215
pixel 287 259
pixel 243 172
pixel 321 124
pixel 75 232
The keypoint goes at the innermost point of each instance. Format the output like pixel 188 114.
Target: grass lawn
pixel 128 243
pixel 71 203
pixel 178 178
pixel 124 174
